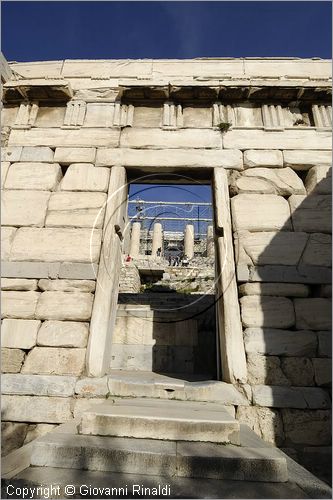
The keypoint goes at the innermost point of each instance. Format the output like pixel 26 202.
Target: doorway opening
pixel 166 304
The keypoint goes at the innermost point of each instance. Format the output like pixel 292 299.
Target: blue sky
pixel 33 31
pixel 59 30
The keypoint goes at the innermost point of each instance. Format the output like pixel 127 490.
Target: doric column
pixel 210 242
pixel 189 241
pixel 135 239
pixel 157 238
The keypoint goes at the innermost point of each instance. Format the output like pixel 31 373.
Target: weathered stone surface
pixel 54 137
pixel 63 334
pixel 19 333
pixel 106 295
pixel 270 312
pixel 38 385
pixel 265 158
pixel 313 314
pixel 303 160
pixel 7 237
pixel 11 360
pixel 275 289
pixel 67 156
pixel 37 154
pixel 311 214
pixel 99 115
pixel 4 170
pixel 11 153
pixel 280 342
pixel 307 427
pixel 319 180
pixel 293 69
pixel 50 116
pixel 85 177
pixel 12 436
pixel 35 409
pixel 265 370
pixel 260 139
pixel 299 371
pixel 8 115
pixel 170 158
pixel 318 251
pixel 56 244
pixel 325 344
pixel 265 422
pixel 290 397
pixel 29 269
pixel 248 210
pixel 147 116
pixel 55 361
pixel 24 208
pixel 282 181
pixel 67 285
pixel 270 248
pixel 285 274
pixel 18 284
pixel 92 387
pixel 83 404
pixel 118 420
pixel 316 397
pixel 159 139
pixel 76 271
pixel 19 304
pixel 35 431
pixel 326 291
pixel 243 185
pixel 64 306
pixel 35 176
pixel 322 371
pixel 195 117
pixel 76 209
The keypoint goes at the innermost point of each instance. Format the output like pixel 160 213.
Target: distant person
pixel 185 261
pixel 128 258
pixel 159 251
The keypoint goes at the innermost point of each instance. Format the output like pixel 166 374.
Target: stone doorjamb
pixel 104 312
pixel 106 295
pixel 232 351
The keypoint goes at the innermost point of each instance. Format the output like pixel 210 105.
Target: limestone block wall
pixel 163 117
pixel 52 215
pixel 281 212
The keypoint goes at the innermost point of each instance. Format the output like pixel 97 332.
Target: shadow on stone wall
pixel 286 315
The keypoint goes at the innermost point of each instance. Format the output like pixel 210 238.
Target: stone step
pixel 162 458
pixel 184 387
pixel 162 420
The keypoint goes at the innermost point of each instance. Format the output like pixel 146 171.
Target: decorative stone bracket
pixel 223 114
pixel 75 113
pixel 26 115
pixel 272 116
pixel 172 115
pixel 123 115
pixel 322 115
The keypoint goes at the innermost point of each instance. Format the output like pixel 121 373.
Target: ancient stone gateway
pixel 75 135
